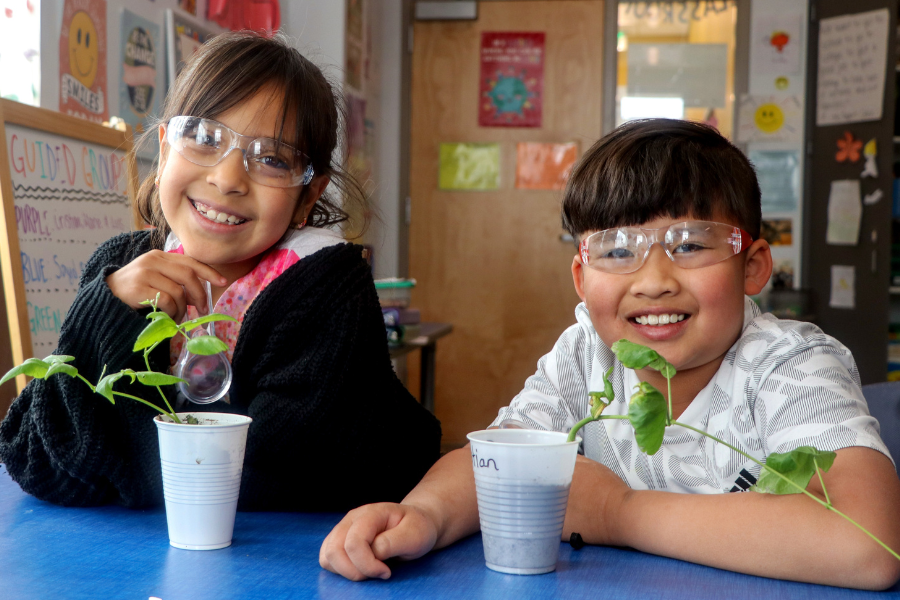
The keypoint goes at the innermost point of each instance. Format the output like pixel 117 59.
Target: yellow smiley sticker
pixel 83 48
pixel 769 118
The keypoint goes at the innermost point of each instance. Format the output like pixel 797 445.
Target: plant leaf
pixel 636 356
pixel 797 465
pixel 58 358
pixel 33 367
pixel 188 325
pixel 647 413
pixel 105 385
pixel 61 367
pixel 161 328
pixel 154 378
pixel 206 345
pixel 156 315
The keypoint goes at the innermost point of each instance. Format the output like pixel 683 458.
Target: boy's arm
pixel 439 511
pixel 786 537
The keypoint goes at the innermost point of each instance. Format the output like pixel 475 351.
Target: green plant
pixel 161 328
pixel 649 414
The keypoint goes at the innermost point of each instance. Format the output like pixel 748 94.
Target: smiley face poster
pixel 82 60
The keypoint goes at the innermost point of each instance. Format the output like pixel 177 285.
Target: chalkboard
pixel 65 187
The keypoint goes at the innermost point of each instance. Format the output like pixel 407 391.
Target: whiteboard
pixel 65 186
pixel 70 197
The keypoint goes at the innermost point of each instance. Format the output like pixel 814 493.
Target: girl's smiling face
pixel 188 193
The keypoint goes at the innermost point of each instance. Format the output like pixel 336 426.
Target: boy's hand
pixel 371 534
pixel 177 278
pixel 594 500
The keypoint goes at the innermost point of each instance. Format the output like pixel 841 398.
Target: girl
pixel 246 143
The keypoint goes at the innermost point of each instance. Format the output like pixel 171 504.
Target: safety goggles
pixel 689 244
pixel 269 162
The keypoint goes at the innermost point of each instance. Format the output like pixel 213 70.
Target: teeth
pixel 218 217
pixel 659 319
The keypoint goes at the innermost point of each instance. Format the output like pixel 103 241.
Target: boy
pixel 665 213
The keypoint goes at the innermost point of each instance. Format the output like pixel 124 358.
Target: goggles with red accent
pixel 689 244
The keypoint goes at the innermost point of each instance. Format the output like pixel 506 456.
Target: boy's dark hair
pixel 651 168
pixel 231 68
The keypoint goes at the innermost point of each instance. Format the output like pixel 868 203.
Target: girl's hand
pixel 177 278
pixel 595 498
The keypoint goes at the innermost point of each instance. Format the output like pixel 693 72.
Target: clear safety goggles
pixel 689 244
pixel 269 162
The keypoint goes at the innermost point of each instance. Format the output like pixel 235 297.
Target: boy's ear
pixel 757 267
pixel 578 276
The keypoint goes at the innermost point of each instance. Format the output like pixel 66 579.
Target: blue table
pixel 48 553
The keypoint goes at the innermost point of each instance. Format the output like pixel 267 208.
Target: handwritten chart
pixel 65 186
pixel 852 64
pixel 70 197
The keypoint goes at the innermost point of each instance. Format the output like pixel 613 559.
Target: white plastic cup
pixel 201 471
pixel 522 480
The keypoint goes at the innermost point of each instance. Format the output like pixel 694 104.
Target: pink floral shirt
pixel 240 295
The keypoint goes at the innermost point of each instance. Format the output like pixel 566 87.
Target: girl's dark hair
pixel 231 68
pixel 651 168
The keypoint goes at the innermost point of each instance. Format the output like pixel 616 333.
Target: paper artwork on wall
pixel 852 63
pixel 777 44
pixel 843 287
pixel 848 148
pixel 82 60
pixel 184 36
pixel 870 151
pixel 778 172
pixel 873 198
pixel 844 213
pixel 469 167
pixel 511 87
pixel 778 232
pixel 769 119
pixel 542 166
pixel 141 75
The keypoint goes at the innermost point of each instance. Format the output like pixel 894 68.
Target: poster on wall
pixel 355 45
pixel 141 86
pixel 778 172
pixel 852 63
pixel 770 119
pixel 776 47
pixel 183 37
pixel 544 166
pixel 511 88
pixel 469 167
pixel 82 60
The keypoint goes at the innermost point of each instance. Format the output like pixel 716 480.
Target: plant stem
pixel 150 404
pixel 587 420
pixel 159 389
pixel 669 414
pixel 802 490
pixel 578 426
pixel 821 481
pixel 89 384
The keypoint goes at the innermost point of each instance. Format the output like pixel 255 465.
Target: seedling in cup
pixel 161 328
pixel 649 414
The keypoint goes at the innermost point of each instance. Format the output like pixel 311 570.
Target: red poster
pixel 82 60
pixel 512 79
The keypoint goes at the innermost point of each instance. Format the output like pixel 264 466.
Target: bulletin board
pixel 65 188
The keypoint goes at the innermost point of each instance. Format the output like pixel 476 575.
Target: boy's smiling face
pixel 709 302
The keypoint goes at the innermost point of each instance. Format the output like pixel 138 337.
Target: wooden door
pixel 493 263
pixel 863 329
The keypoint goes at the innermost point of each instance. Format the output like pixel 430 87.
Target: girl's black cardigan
pixel 332 427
